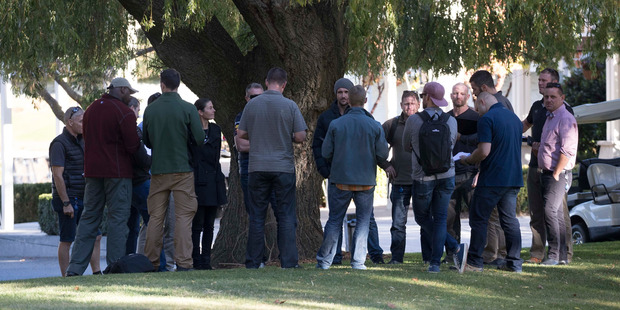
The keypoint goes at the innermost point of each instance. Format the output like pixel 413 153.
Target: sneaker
pixel 394 262
pixel 261 266
pixel 179 268
pixel 470 268
pixel 433 268
pixel 460 257
pixel 319 266
pixel 562 262
pixel 378 260
pixel 72 274
pixel 549 262
pixel 498 262
pixel 359 267
pixel 534 260
pixel 509 269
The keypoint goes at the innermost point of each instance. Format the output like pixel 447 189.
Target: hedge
pixel 48 218
pixel 26 200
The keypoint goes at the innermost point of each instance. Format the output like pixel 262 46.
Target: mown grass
pixel 592 281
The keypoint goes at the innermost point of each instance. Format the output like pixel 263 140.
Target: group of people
pixel 166 170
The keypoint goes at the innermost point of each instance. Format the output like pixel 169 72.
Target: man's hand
pixel 535 147
pixel 556 176
pixel 68 210
pixel 391 172
pixel 463 160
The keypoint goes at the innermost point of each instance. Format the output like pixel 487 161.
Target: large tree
pixel 220 46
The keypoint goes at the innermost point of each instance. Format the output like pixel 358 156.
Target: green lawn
pixel 592 281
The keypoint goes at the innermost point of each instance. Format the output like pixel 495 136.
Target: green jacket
pixel 170 123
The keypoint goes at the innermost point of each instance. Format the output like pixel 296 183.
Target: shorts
pixel 67 225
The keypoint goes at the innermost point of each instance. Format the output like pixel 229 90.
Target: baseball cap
pixel 121 82
pixel 436 92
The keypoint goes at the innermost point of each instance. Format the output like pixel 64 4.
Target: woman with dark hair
pixel 209 182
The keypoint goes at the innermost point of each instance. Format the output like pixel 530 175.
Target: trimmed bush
pixel 26 200
pixel 48 218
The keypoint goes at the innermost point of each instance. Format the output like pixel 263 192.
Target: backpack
pixel 132 263
pixel 434 144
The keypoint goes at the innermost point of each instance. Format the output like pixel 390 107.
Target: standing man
pixel 272 123
pixel 536 120
pixel 354 144
pixel 110 138
pixel 67 160
pixel 467 123
pixel 482 81
pixel 433 169
pixel 499 155
pixel 337 109
pixel 399 169
pixel 556 158
pixel 170 125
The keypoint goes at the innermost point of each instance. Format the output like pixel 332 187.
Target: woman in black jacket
pixel 209 182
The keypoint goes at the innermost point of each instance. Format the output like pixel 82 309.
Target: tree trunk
pixel 310 43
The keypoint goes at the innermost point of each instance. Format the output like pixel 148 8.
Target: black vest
pixel 74 164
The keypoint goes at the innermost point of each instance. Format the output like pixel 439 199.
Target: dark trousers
pixel 463 191
pixel 484 201
pixel 244 177
pixel 261 184
pixel 401 200
pixel 203 223
pixel 553 193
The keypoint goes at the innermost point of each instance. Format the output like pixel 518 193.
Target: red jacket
pixel 110 137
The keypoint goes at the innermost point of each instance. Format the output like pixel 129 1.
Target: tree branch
pixel 68 89
pixel 144 51
pixel 53 103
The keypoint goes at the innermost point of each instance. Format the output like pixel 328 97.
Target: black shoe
pixel 394 262
pixel 378 260
pixel 73 274
pixel 294 267
pixel 179 268
pixel 98 273
pixel 337 263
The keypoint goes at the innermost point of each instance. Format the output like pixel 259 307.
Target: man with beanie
pixel 337 109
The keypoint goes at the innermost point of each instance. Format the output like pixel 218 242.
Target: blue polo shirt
pixel 503 129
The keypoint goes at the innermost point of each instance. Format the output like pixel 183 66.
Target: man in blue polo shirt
pixel 499 155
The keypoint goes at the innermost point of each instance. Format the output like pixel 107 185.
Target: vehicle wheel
pixel 580 233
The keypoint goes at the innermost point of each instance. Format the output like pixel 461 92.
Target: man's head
pixel 121 89
pixel 480 81
pixel 170 80
pixel 73 120
pixel 357 96
pixel 152 98
pixel 484 102
pixel 410 102
pixel 341 89
pixel 134 105
pixel 432 95
pixel 553 97
pixel 276 79
pixel 252 90
pixel 459 95
pixel 547 76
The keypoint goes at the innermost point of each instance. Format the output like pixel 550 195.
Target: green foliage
pixel 579 90
pixel 25 200
pixel 48 218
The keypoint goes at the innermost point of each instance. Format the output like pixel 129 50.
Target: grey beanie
pixel 342 83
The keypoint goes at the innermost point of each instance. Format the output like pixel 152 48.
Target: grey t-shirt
pixel 270 120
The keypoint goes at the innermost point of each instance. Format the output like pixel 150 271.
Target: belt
pixel 545 171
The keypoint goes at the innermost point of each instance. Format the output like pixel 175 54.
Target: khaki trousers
pixel 181 185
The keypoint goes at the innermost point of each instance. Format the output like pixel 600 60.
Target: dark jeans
pixel 484 201
pixel 401 199
pixel 463 191
pixel 261 184
pixel 430 208
pixel 203 223
pixel 553 193
pixel 243 177
pixel 138 209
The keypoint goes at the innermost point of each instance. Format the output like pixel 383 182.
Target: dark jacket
pixel 320 131
pixel 73 174
pixel 141 162
pixel 208 177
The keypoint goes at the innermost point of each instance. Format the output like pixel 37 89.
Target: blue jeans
pixel 401 198
pixel 339 201
pixel 430 209
pixel 484 201
pixel 243 178
pixel 261 184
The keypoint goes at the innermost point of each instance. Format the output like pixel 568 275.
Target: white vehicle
pixel 598 218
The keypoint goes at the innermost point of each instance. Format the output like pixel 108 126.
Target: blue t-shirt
pixel 501 128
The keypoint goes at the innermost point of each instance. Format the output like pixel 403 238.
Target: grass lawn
pixel 592 281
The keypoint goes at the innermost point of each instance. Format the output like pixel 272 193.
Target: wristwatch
pixel 66 203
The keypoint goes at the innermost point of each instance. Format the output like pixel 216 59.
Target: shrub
pixel 26 200
pixel 48 218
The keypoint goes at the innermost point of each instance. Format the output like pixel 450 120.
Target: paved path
pixel 28 253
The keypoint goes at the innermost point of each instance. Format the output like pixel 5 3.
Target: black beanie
pixel 342 83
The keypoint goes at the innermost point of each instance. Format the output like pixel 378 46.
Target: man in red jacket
pixel 110 138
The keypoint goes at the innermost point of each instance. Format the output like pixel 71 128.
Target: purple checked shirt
pixel 559 136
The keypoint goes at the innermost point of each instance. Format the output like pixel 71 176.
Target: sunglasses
pixel 73 111
pixel 254 96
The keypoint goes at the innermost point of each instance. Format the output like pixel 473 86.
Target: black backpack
pixel 434 144
pixel 132 263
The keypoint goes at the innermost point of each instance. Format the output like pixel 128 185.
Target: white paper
pixel 459 155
